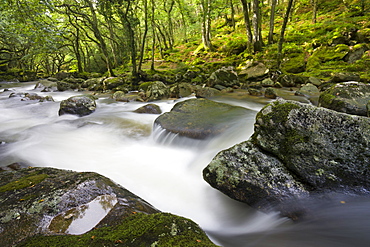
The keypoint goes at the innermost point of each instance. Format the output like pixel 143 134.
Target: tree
pixel 283 27
pixel 206 9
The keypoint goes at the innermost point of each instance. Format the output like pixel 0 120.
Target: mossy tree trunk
pixel 272 20
pixel 247 24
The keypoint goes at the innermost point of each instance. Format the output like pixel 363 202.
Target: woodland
pixel 125 37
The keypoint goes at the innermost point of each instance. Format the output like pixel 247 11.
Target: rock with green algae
pixel 149 109
pixel 324 148
pixel 349 97
pixel 226 76
pixel 157 90
pixel 46 201
pixel 246 173
pixel 160 229
pixel 296 152
pixel 80 105
pixel 200 118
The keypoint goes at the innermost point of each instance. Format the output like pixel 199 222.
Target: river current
pixel 164 170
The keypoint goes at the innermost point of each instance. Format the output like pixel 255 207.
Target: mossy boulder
pixel 253 70
pixel 325 54
pixel 157 90
pixel 226 76
pixel 200 118
pixel 94 84
pixel 124 97
pixel 111 83
pixel 248 174
pixel 46 201
pixel 348 97
pixel 206 92
pixel 138 230
pixel 324 148
pixel 31 96
pixel 308 90
pixel 294 64
pixel 297 151
pixel 180 90
pixel 149 109
pixel 271 93
pixel 80 105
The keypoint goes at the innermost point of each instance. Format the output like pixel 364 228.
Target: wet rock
pixel 344 77
pixel 123 97
pixel 149 109
pixel 246 173
pixel 47 85
pixel 33 199
pixel 254 70
pixel 226 76
pixel 308 90
pixel 297 151
pixel 181 90
pixel 81 105
pixel 271 93
pixel 206 92
pixel 94 84
pixel 200 118
pixel 31 96
pixel 113 82
pixel 349 97
pixel 157 90
pixel 323 148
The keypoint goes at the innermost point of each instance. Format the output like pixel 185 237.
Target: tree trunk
pixel 99 37
pixel 257 23
pixel 272 21
pixel 142 48
pixel 153 30
pixel 314 10
pixel 281 40
pixel 247 24
pixel 206 24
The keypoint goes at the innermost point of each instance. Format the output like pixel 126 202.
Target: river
pixel 166 170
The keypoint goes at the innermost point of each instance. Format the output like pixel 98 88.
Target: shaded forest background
pixel 125 37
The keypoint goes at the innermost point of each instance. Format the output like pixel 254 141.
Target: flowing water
pixel 163 169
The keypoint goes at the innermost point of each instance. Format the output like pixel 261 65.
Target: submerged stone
pixel 200 118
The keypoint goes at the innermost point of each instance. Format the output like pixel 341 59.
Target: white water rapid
pixel 122 145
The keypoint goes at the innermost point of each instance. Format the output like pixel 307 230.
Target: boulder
pixel 113 82
pixel 123 97
pixel 248 174
pixel 149 109
pixel 356 53
pixel 47 201
pixel 349 97
pixel 344 77
pixel 206 92
pixel 254 70
pixel 271 93
pixel 47 85
pixel 31 96
pixel 80 105
pixel 309 90
pixel 94 84
pixel 200 118
pixel 160 229
pixel 181 90
pixel 157 90
pixel 226 76
pixel 324 148
pixel 297 151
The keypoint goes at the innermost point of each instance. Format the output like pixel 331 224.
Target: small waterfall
pixel 167 138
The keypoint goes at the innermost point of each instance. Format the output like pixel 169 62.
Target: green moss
pixel 281 112
pixel 160 229
pixel 27 181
